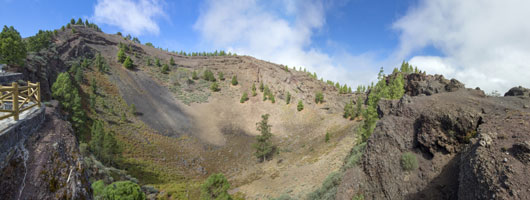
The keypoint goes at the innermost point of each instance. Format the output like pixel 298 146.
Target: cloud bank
pixel 483 43
pixel 281 32
pixel 134 17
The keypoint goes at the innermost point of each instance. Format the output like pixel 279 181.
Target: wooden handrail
pixel 19 97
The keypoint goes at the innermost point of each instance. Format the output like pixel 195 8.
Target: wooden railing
pixel 21 98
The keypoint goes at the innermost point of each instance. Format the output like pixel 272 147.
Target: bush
pixel 121 55
pixel 149 44
pixel 157 62
pixel 171 61
pixel 234 80
pixel 221 76
pixel 355 155
pixel 128 63
pixel 97 188
pixel 194 75
pixel 319 98
pixel 300 106
pixel 271 97
pixel 288 98
pixel 214 87
pixel 244 97
pixel 208 75
pixel 409 161
pixel 123 190
pixel 261 87
pixel 165 69
pixel 328 190
pixel 215 187
pixel 327 137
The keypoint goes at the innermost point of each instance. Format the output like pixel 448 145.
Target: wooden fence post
pixel 38 93
pixel 15 100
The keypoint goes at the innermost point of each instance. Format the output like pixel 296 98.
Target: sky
pixel 482 43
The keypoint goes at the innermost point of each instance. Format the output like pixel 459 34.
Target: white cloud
pixel 134 17
pixel 483 43
pixel 280 31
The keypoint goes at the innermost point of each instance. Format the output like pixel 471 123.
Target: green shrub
pixel 208 75
pixel 358 197
pixel 283 197
pixel 97 188
pixel 214 87
pixel 194 75
pixel 244 97
pixel 215 187
pixel 221 76
pixel 171 61
pixel 300 106
pixel 288 98
pixel 327 137
pixel 409 161
pixel 121 55
pixel 328 190
pixel 234 80
pixel 68 95
pixel 261 87
pixel 40 41
pixel 319 97
pixel 271 97
pixel 355 155
pixel 128 63
pixel 157 62
pixel 83 148
pixel 165 69
pixel 123 190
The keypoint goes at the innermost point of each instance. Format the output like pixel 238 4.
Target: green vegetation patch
pixel 409 161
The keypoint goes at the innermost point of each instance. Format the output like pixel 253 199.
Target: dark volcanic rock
pixel 418 83
pixel 518 91
pixel 53 168
pixel 467 147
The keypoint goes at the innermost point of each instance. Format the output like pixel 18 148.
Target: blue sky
pixel 344 40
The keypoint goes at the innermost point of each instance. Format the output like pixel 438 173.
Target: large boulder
pixel 518 91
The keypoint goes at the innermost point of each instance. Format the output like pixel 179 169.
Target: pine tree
pixel 319 98
pixel 157 62
pixel 221 76
pixel 97 138
pixel 110 149
pixel 244 97
pixel 271 97
pixel 121 55
pixel 128 63
pixel 300 106
pixel 254 90
pixel 194 75
pixel 65 91
pixel 12 48
pixel 234 80
pixel 171 61
pixel 263 145
pixel 165 69
pixel 72 21
pixel 214 87
pixel 79 22
pixel 288 98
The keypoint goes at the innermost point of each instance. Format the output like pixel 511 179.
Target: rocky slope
pixel 52 168
pixel 467 145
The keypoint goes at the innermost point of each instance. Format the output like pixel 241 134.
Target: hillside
pixel 182 131
pixel 174 126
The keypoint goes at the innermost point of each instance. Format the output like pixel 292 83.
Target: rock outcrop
pixel 47 165
pixel 518 91
pixel 467 146
pixel 418 84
